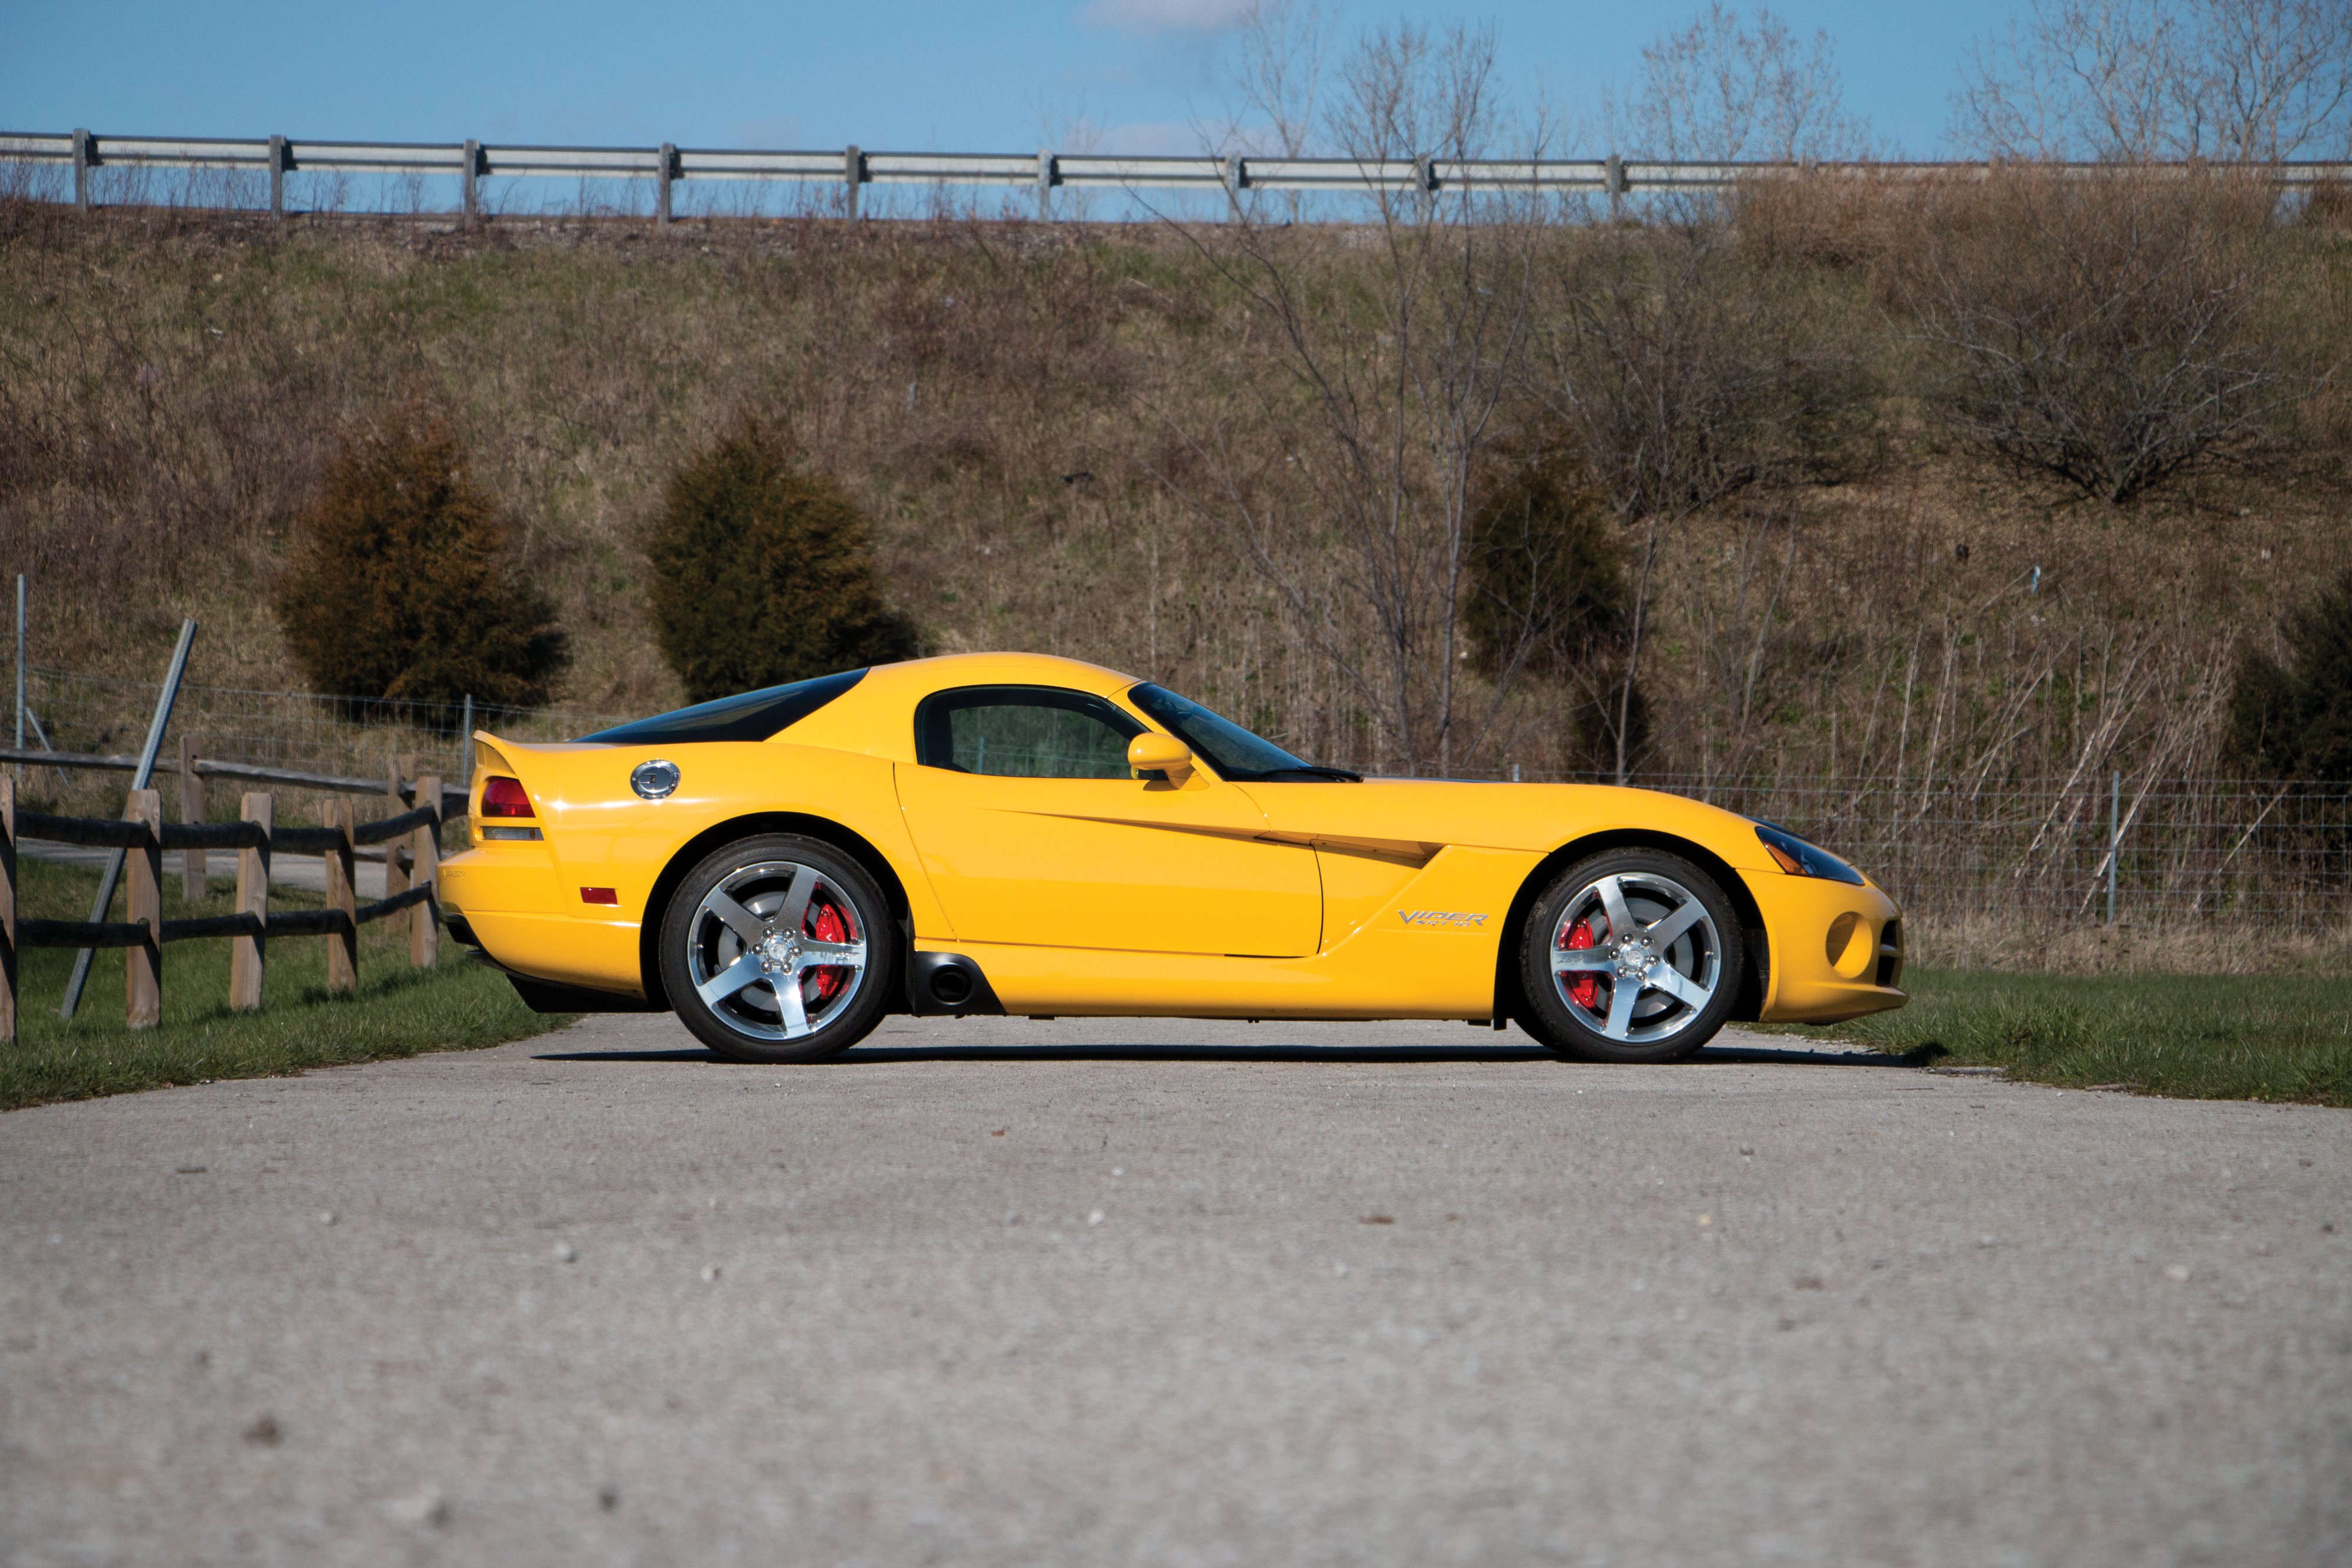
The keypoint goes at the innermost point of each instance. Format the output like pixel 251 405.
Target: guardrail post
pixel 425 919
pixel 194 874
pixel 85 156
pixel 142 965
pixel 247 950
pixel 1045 187
pixel 1233 177
pixel 7 908
pixel 1614 175
pixel 661 183
pixel 472 186
pixel 339 815
pixel 278 176
pixel 853 173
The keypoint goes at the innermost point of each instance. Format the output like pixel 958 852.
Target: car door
pixel 1034 831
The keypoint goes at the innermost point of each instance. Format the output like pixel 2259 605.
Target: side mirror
pixel 1161 755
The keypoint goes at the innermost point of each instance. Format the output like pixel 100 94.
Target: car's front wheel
pixel 1629 955
pixel 778 949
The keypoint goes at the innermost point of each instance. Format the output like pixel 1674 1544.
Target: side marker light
pixel 599 896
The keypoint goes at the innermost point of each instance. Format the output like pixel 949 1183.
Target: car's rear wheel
pixel 778 949
pixel 1629 955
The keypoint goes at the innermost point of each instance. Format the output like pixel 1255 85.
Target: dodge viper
pixel 1014 834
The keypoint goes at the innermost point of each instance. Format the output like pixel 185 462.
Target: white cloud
pixel 1164 16
pixel 765 131
pixel 1152 138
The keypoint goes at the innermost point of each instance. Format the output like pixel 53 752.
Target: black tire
pixel 1681 957
pixel 727 923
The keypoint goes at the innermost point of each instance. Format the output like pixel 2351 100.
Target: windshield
pixel 1232 751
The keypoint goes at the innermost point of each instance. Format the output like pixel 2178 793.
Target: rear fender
pixel 690 854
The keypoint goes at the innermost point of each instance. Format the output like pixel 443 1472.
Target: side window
pixel 1023 732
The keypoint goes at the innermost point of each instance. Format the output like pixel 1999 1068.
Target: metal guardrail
pixel 1044 170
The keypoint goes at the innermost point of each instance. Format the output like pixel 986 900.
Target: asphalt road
pixel 1084 1293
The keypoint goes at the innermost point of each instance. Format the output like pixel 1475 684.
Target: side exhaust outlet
pixel 948 984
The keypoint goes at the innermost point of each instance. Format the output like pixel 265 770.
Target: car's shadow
pixel 1717 1055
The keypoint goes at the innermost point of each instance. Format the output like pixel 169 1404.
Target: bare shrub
pixel 399 586
pixel 1687 375
pixel 2111 332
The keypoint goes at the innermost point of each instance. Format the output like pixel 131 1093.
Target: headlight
pixel 1798 858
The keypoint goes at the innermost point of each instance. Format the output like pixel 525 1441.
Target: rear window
pixel 754 715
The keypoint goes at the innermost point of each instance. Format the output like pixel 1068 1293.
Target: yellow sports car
pixel 1012 833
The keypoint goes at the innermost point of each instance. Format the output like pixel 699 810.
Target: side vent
pixel 1890 953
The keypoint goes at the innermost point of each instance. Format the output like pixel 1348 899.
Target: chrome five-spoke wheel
pixel 776 949
pixel 1638 960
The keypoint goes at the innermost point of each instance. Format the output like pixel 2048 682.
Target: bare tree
pixel 1723 88
pixel 2109 332
pixel 1284 46
pixel 1360 516
pixel 2235 82
pixel 1687 373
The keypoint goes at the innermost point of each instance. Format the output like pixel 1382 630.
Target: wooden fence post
pixel 252 898
pixel 424 930
pixel 7 908
pixel 193 871
pixel 396 869
pixel 343 946
pixel 142 965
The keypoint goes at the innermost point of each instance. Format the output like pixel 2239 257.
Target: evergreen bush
pixel 1547 573
pixel 399 585
pixel 1547 598
pixel 764 572
pixel 2293 721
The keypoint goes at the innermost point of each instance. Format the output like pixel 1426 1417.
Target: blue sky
pixel 976 76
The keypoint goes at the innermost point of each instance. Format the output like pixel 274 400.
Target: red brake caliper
pixel 1584 990
pixel 824 922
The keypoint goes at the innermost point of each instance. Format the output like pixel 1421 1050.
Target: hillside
pixel 1013 404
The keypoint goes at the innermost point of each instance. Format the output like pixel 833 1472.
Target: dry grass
pixel 2011 945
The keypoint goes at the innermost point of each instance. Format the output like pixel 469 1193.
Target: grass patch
pixel 398 1011
pixel 2202 1037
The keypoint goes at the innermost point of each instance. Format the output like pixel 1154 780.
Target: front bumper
pixel 1837 949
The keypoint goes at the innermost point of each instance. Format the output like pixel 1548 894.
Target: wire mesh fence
pixel 2174 850
pixel 68 711
pixel 2201 853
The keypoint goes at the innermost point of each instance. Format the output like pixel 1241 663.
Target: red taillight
pixel 505 798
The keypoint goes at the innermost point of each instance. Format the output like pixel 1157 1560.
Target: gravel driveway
pixel 1103 1293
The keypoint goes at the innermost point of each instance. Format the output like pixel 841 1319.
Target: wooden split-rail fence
pixel 412 842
